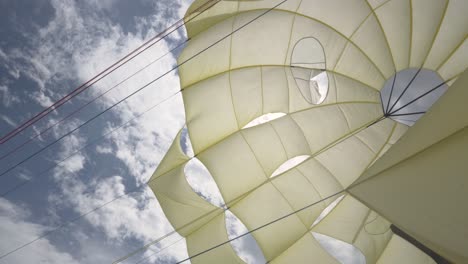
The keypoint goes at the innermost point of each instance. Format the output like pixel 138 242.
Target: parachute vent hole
pixel 245 247
pixel 264 119
pixel 343 252
pixel 201 181
pixel 185 142
pixel 289 164
pixel 408 94
pixel 327 210
pixel 308 67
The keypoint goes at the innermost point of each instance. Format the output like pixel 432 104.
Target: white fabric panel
pixel 447 38
pixel 395 18
pixel 427 16
pixel 208 236
pixel 400 251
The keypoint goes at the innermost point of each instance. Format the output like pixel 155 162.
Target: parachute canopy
pixel 319 67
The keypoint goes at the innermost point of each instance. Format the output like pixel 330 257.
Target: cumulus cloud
pixel 16 229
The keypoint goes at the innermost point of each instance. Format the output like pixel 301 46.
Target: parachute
pixel 321 68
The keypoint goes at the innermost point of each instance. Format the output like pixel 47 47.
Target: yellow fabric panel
pixel 247 94
pixel 174 157
pixel 233 166
pixel 358 115
pixel 306 250
pixel 376 3
pixel 262 206
pixel 373 237
pixel 353 158
pixel 193 69
pixel 456 64
pixel 424 173
pixel 320 130
pixel 395 18
pixel 427 15
pixel 400 251
pixel 266 146
pixel 180 203
pixel 349 90
pixel 217 13
pixel 208 236
pixel 364 71
pixel 291 136
pixel 344 16
pixel 267 38
pixel 275 90
pixel 377 49
pixel 352 222
pixel 200 99
pixel 345 221
pixel 447 38
pixel 325 183
pixel 377 134
pixel 290 5
pixel 300 192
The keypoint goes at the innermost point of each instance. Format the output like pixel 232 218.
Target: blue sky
pixel 49 47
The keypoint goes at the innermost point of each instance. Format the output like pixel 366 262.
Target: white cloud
pixel 16 230
pixel 7 97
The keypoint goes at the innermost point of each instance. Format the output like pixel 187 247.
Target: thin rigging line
pixel 391 92
pixel 122 100
pixel 159 251
pixel 94 141
pixel 404 91
pixel 260 227
pixel 134 189
pixel 65 223
pixel 419 97
pixel 90 102
pixel 405 114
pixel 160 36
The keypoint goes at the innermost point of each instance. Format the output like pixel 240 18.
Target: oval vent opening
pixel 289 164
pixel 263 119
pixel 201 181
pixel 308 67
pixel 246 247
